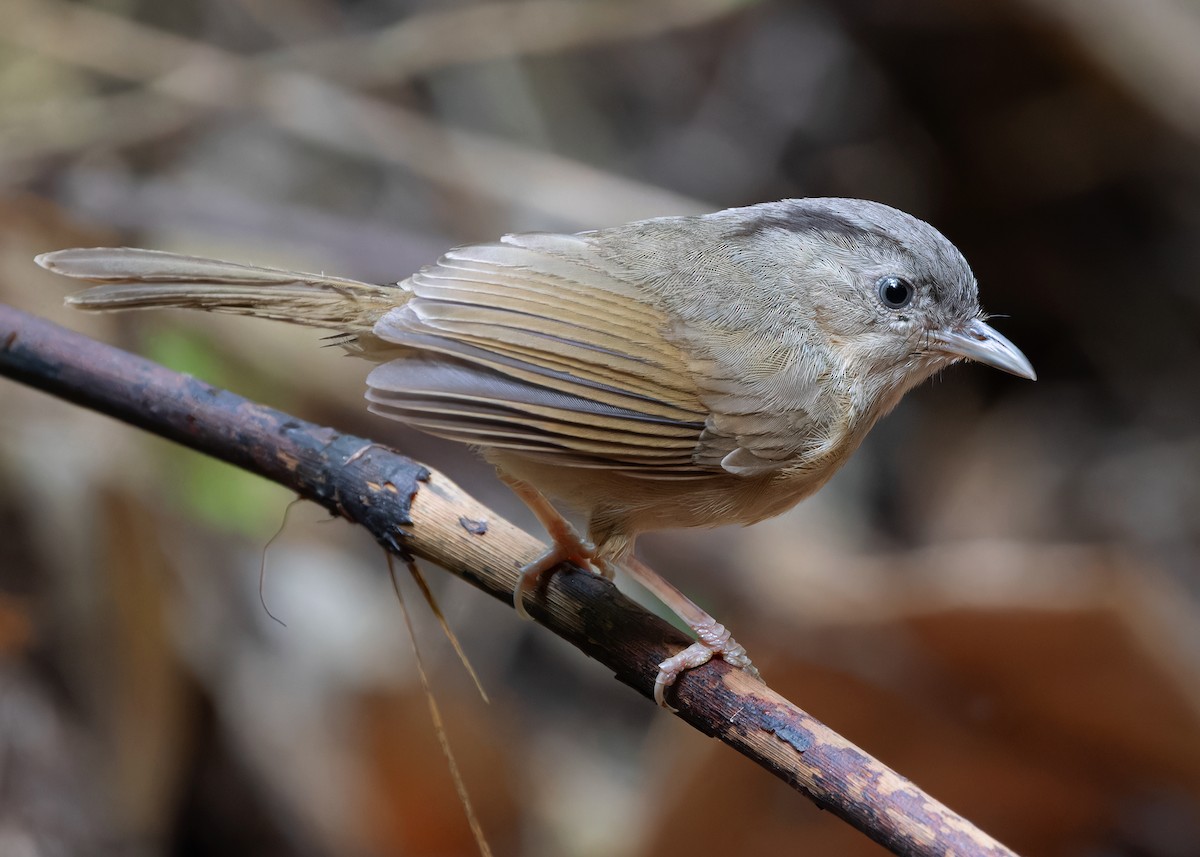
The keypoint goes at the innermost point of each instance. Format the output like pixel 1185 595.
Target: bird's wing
pixel 528 345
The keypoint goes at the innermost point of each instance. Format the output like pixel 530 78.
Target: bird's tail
pixel 151 279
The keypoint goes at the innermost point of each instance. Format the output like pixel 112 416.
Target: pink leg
pixel 566 544
pixel 714 638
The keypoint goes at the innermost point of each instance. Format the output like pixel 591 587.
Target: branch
pixel 413 510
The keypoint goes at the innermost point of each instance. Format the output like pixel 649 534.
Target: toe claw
pixel 695 655
pixel 531 575
pixel 519 599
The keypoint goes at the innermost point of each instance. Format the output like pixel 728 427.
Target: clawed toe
pixel 576 550
pixel 566 544
pixel 714 640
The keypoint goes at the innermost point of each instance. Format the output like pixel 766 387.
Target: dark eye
pixel 895 292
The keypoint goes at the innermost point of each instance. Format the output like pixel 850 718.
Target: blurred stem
pixel 317 110
pixel 413 510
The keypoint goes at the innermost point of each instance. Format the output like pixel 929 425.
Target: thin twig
pixel 413 510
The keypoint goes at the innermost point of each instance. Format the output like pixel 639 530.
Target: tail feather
pixel 150 279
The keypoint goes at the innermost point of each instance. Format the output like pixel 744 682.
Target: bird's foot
pixel 714 640
pixel 567 546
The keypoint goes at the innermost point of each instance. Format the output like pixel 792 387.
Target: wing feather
pixel 533 349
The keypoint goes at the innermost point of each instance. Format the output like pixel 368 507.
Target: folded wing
pixel 523 345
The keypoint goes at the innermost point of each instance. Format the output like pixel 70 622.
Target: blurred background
pixel 998 597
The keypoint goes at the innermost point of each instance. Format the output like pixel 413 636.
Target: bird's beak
pixel 978 341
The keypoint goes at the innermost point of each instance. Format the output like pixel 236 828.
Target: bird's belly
pixel 619 506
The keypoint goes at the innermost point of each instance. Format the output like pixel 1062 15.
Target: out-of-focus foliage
pixel 998 596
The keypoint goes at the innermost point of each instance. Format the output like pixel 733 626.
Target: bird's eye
pixel 894 292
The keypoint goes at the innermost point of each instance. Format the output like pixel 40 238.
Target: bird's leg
pixel 714 638
pixel 566 543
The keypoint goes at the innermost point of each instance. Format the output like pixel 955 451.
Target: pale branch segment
pixel 412 509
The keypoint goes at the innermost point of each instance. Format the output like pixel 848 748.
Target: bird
pixel 688 371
